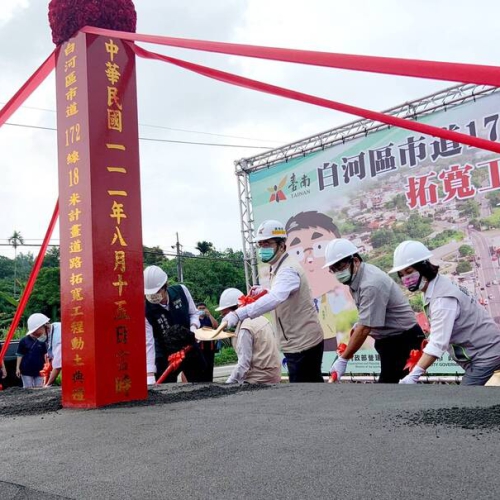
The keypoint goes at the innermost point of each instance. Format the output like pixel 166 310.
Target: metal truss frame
pixel 412 110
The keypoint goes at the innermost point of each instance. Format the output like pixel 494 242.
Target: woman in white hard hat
pixel 289 298
pixel 32 351
pixel 458 323
pixel 255 345
pixel 384 313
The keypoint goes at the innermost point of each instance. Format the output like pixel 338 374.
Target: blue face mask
pixel 266 254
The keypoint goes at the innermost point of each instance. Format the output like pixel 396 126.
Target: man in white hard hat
pixel 166 307
pixel 289 298
pixel 255 344
pixel 384 312
pixel 457 322
pixel 32 351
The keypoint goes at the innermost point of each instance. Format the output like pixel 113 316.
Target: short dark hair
pixel 312 218
pixel 198 304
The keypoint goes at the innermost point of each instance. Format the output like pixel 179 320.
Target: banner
pixel 382 189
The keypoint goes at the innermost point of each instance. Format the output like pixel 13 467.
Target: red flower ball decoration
pixel 66 17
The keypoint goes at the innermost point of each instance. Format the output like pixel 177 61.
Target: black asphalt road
pixel 345 441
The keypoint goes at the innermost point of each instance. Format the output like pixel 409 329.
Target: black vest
pixel 162 319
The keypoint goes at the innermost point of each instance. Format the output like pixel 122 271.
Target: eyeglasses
pixel 340 266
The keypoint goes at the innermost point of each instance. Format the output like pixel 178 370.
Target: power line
pixel 172 128
pixel 158 140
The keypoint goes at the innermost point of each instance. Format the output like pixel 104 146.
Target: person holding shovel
pixel 171 320
pixel 254 343
pixel 289 298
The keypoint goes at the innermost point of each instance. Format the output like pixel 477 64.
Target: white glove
pixel 231 319
pixel 255 290
pixel 193 328
pixel 151 380
pixel 339 366
pixel 413 376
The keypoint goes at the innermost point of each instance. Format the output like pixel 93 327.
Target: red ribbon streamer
pixel 244 300
pixel 31 281
pixel 27 89
pixel 174 361
pixel 415 355
pixel 318 101
pixel 45 371
pixel 433 70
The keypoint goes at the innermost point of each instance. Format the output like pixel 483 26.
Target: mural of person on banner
pixel 308 234
pixel 384 313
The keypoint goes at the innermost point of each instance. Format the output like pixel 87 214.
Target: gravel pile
pixel 466 418
pixel 16 401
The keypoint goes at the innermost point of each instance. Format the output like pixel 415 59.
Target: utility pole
pixel 178 250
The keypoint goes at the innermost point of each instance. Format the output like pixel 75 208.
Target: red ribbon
pixel 434 70
pixel 318 101
pixel 31 281
pixel 174 361
pixel 27 89
pixel 340 350
pixel 415 355
pixel 244 300
pixel 45 371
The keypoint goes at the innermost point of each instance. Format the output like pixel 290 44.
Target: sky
pixel 191 189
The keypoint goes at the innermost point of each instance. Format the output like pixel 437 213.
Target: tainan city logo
pixel 276 191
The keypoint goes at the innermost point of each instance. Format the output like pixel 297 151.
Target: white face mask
pixel 154 298
pixel 42 338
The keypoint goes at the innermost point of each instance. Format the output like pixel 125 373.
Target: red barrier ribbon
pixel 415 355
pixel 318 101
pixel 433 70
pixel 27 89
pixel 244 300
pixel 31 281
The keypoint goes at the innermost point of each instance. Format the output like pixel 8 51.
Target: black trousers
pixel 208 352
pixel 394 353
pixel 305 366
pixel 193 366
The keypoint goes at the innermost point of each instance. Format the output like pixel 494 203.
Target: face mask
pixel 202 314
pixel 42 338
pixel 413 281
pixel 266 254
pixel 344 276
pixel 154 298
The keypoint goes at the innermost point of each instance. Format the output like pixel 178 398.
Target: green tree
pixel 470 208
pixel 464 267
pixel 52 258
pixel 382 237
pixel 465 250
pixel 152 256
pixel 204 247
pixel 46 294
pixel 15 240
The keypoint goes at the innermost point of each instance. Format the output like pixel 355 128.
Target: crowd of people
pixel 458 323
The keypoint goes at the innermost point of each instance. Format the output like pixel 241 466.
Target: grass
pixel 226 356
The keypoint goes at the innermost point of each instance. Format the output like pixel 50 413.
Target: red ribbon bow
pixel 244 300
pixel 415 355
pixel 340 350
pixel 45 371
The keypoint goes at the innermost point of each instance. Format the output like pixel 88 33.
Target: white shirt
pixel 443 312
pixel 194 321
pixel 286 282
pixel 245 349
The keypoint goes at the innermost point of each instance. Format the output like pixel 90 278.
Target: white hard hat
pixel 229 298
pixel 408 253
pixel 270 229
pixel 338 249
pixel 35 321
pixel 154 278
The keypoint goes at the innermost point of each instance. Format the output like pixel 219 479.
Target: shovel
pixel 204 331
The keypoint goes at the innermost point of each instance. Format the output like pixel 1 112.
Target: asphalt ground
pixel 342 441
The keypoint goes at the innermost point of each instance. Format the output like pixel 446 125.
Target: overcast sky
pixel 191 188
